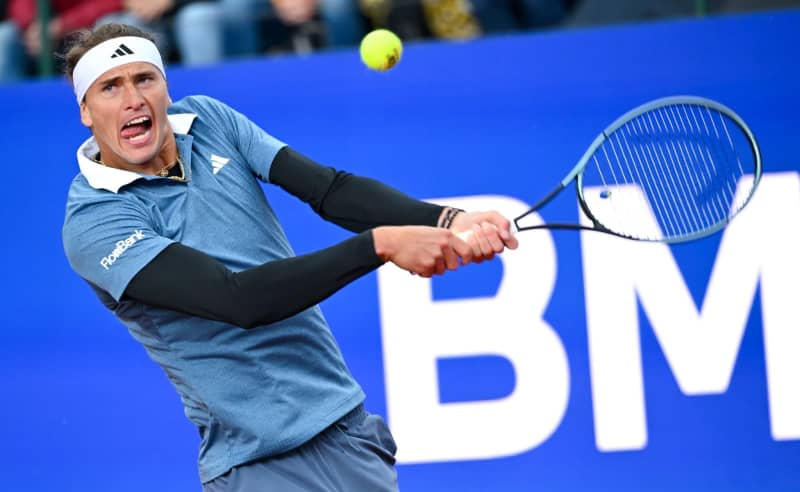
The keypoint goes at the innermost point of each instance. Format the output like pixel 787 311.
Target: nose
pixel 133 99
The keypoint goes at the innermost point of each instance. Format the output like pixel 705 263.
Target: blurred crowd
pixel 196 32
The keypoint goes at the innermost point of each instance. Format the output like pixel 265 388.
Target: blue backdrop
pixel 84 409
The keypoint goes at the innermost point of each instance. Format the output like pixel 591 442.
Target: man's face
pixel 126 109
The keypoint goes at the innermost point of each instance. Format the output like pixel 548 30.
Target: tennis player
pixel 168 224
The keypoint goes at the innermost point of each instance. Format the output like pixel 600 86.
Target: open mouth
pixel 137 130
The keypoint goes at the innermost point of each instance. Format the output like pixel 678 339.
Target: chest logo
pixel 217 163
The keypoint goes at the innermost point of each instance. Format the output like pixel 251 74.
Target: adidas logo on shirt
pixel 122 51
pixel 217 163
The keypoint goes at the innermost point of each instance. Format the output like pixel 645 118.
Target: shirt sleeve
pixel 108 240
pixel 257 147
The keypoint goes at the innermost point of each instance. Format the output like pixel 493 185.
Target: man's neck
pixel 166 158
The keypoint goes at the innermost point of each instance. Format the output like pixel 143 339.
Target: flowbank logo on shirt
pixel 121 247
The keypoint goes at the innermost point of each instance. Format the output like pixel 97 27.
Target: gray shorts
pixel 354 454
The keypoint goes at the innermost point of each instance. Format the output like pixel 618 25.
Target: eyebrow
pixel 113 80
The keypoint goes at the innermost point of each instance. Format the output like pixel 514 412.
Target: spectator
pixel 451 19
pixel 291 25
pixel 462 19
pixel 189 31
pixel 21 34
pixel 470 18
pixel 590 12
pixel 342 22
pixel 12 52
pixel 344 25
pixel 753 5
pixel 512 15
pixel 405 18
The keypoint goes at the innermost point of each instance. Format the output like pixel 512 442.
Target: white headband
pixel 111 54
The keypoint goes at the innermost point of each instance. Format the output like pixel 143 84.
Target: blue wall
pixel 84 409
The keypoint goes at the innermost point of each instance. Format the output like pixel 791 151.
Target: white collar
pixel 112 179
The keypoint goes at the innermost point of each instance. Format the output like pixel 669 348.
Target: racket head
pixel 672 170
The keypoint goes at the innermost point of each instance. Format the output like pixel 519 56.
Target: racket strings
pixel 727 154
pixel 652 186
pixel 638 153
pixel 707 156
pixel 670 172
pixel 706 217
pixel 686 180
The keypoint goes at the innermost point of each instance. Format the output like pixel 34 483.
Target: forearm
pixel 189 281
pixel 352 202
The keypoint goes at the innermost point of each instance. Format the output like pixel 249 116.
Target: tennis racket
pixel 669 170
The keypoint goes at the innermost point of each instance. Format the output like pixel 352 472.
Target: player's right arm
pixel 187 280
pixel 112 244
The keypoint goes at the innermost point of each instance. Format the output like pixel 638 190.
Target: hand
pixel 148 10
pixel 425 251
pixel 33 38
pixel 33 35
pixel 294 12
pixel 490 233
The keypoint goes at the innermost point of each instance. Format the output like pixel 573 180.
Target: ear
pixel 86 117
pixel 166 89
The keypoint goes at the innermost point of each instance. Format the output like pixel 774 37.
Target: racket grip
pixel 464 235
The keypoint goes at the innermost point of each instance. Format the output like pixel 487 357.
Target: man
pixel 168 224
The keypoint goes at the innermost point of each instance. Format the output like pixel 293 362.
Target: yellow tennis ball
pixel 381 49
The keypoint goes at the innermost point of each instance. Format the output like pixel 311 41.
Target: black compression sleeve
pixel 352 202
pixel 186 280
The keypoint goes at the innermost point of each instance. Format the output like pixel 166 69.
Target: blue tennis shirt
pixel 251 393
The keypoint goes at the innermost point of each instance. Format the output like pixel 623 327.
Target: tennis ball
pixel 381 49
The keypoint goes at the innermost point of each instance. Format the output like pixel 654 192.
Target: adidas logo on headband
pixel 122 51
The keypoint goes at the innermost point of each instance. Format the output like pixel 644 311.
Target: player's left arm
pixel 358 203
pixel 353 202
